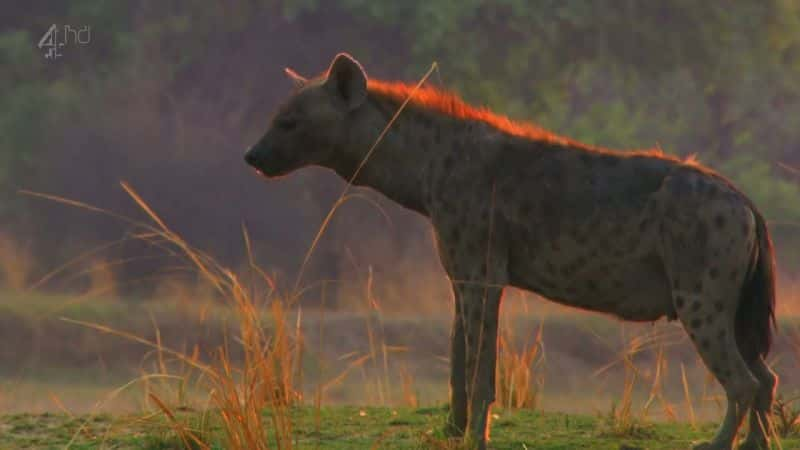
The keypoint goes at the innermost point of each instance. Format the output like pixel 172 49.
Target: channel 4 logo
pixel 56 39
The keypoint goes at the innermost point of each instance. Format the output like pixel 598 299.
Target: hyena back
pixel 636 234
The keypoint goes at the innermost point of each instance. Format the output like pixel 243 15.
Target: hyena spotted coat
pixel 639 235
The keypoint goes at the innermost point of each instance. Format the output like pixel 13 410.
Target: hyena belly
pixel 635 288
pixel 608 264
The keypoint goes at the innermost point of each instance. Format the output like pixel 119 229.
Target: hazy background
pixel 167 95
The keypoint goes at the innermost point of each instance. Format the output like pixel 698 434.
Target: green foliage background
pixel 716 79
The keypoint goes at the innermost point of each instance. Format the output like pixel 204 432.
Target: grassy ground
pixel 357 428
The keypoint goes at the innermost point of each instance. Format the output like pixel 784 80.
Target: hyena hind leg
pixel 711 330
pixel 758 435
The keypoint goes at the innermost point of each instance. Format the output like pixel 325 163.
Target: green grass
pixel 351 427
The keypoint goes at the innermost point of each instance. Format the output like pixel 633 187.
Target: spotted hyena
pixel 636 234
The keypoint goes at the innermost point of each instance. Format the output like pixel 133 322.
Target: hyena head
pixel 313 123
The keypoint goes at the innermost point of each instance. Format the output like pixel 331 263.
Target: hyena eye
pixel 286 123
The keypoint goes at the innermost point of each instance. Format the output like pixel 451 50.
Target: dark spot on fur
pixel 696 306
pixel 719 221
pixel 671 212
pixel 713 273
pixel 608 160
pixel 551 268
pixel 425 121
pixel 679 301
pixel 701 234
pixel 448 162
pixel 696 323
pixel 680 186
pixel 591 285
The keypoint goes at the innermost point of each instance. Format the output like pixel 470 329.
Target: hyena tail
pixel 755 316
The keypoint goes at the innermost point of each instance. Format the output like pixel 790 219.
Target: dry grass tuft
pixel 237 395
pixel 16 263
pixel 621 420
pixel 786 416
pixel 520 372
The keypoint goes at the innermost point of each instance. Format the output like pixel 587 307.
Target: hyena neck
pixel 398 166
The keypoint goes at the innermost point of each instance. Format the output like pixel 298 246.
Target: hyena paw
pixel 754 444
pixel 711 446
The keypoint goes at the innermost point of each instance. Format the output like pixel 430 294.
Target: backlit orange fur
pixel 428 97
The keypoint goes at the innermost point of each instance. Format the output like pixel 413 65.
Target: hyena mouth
pixel 252 159
pixel 250 156
pixel 267 165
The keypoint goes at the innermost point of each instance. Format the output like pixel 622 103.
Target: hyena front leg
pixel 475 258
pixel 457 418
pixel 481 310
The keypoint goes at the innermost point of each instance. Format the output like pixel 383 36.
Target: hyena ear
pixel 297 79
pixel 347 80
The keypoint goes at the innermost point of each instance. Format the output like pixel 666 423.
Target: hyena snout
pixel 268 162
pixel 251 157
